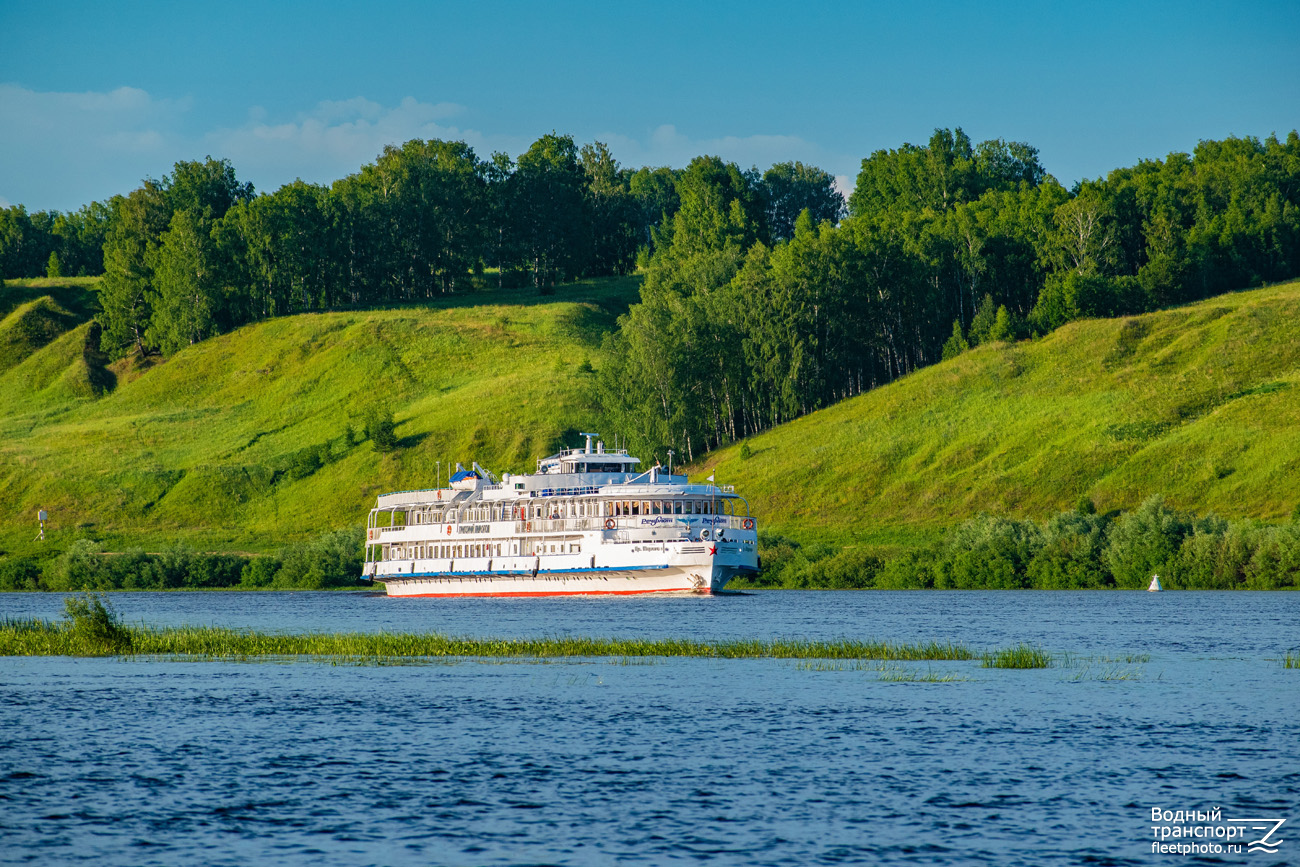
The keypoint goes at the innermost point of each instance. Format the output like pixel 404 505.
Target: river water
pixel 1172 701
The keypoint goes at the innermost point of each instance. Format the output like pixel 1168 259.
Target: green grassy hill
pixel 1200 403
pixel 76 294
pixel 218 445
pixel 34 312
pixel 207 447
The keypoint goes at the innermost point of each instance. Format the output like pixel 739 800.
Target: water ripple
pixel 685 761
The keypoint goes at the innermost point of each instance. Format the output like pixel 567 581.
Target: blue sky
pixel 96 96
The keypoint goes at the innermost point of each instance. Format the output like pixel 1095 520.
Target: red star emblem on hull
pixel 713 549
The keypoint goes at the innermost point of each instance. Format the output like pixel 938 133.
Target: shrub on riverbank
pixel 20 573
pixel 1079 550
pixel 790 565
pixel 83 567
pixel 332 559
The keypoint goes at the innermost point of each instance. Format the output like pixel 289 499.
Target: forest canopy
pixel 945 246
pixel 766 294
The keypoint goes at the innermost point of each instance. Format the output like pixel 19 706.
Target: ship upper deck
pixel 581 472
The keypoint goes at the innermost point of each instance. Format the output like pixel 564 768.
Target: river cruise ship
pixel 587 522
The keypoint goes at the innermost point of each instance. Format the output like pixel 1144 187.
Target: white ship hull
pixel 665 568
pixel 667 579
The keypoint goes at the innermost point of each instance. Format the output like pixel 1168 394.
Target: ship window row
pixel 619 508
pixel 442 552
pixel 494 512
pixel 555 509
pixel 452 552
pixel 570 467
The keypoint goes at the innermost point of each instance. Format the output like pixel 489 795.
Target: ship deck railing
pixel 569 492
pixel 587 524
pixel 571 525
pixel 633 522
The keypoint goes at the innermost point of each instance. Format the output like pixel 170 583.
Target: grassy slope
pixel 1201 403
pixel 33 312
pixel 76 294
pixel 188 448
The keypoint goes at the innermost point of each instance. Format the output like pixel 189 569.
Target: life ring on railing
pixel 610 524
pixel 440 493
pixel 449 529
pixel 749 523
pixel 528 528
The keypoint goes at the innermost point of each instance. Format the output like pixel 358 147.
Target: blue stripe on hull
pixel 529 572
pixel 407 576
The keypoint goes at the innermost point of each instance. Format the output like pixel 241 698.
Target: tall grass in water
pixel 889 671
pixel 1020 656
pixel 92 629
pixel 1291 660
pixel 903 675
pixel 1104 673
pixel 216 642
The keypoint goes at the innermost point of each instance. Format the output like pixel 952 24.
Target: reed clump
pixel 1291 660
pixel 1104 673
pixel 927 676
pixel 1020 656
pixel 91 628
pixel 889 671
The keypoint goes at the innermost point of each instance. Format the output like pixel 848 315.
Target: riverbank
pixel 1080 549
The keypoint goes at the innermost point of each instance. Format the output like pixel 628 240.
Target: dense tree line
pixel 53 244
pixel 748 320
pixel 197 253
pixel 330 560
pixel 1075 550
pixel 766 294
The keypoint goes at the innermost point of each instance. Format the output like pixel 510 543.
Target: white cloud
pixel 335 138
pixel 125 120
pixel 62 150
